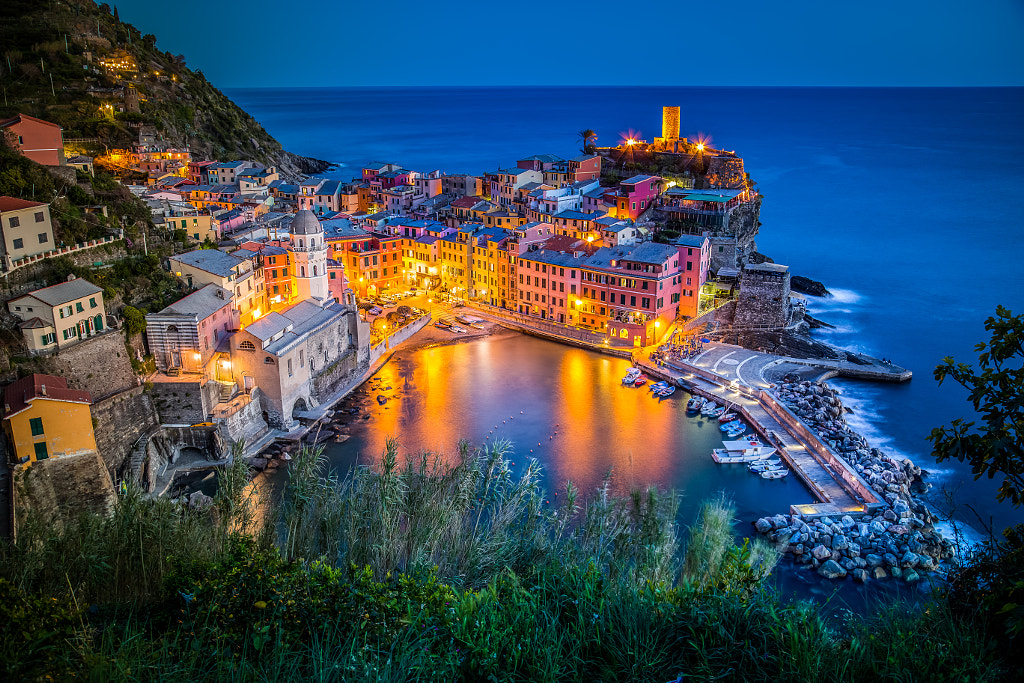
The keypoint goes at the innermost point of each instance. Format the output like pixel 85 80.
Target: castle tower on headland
pixel 310 252
pixel 670 123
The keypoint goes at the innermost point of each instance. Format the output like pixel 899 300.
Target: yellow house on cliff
pixel 44 419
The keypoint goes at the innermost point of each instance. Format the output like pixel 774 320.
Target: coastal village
pixel 296 289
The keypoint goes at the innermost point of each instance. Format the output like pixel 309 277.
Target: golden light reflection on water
pixel 565 407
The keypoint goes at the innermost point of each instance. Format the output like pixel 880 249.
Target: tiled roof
pixel 201 304
pixel 13 204
pixel 62 293
pixel 210 260
pixel 19 395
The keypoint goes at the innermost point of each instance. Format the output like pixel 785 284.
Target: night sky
pixel 600 42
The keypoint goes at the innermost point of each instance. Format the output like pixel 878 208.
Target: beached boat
pixel 727 417
pixel 708 407
pixel 775 474
pixel 741 451
pixel 440 324
pixel 471 321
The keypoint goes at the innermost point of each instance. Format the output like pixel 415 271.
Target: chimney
pixel 71 277
pixel 42 389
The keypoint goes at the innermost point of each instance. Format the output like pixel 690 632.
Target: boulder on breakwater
pixel 899 540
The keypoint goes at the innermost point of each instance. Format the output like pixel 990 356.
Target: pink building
pixel 634 196
pixel 694 264
pixel 41 141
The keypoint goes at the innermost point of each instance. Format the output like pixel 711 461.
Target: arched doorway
pixel 299 407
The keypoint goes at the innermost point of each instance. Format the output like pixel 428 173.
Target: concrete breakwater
pixel 899 541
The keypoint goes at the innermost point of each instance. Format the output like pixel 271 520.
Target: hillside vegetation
pixel 51 68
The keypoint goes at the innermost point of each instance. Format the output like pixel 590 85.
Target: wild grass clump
pixel 469 520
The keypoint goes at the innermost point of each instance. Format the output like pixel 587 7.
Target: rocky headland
pixel 899 540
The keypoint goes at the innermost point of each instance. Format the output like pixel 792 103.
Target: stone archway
pixel 300 406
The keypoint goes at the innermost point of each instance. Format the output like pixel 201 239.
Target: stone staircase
pixel 227 391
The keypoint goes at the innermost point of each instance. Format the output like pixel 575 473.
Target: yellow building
pixel 44 419
pixel 240 273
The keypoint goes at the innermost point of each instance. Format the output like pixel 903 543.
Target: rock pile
pixel 899 541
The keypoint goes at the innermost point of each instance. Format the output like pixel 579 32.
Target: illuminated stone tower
pixel 310 253
pixel 670 123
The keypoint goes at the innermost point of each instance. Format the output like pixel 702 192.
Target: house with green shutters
pixel 58 316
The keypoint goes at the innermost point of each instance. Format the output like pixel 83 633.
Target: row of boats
pixel 635 378
pixel 749 450
pixel 730 422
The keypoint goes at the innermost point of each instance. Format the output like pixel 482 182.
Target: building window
pixel 269 360
pixel 37 426
pixel 247 346
pixel 41 453
pixel 43 238
pixel 13 220
pixel 39 217
pixel 18 242
pixel 79 307
pixel 289 367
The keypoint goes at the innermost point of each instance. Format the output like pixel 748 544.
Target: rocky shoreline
pixel 900 541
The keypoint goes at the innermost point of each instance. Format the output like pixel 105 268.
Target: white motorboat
pixel 775 474
pixel 741 451
pixel 631 376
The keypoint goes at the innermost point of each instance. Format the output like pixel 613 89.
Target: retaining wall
pixel 120 420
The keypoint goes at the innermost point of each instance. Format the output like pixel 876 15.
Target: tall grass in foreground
pixel 427 570
pixel 471 519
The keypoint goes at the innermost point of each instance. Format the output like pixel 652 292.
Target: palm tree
pixel 588 136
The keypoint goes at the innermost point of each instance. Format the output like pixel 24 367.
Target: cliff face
pixel 76 64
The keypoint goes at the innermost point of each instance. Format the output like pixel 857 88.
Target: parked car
pixel 376 310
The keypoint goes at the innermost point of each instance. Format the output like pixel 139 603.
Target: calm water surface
pixel 564 406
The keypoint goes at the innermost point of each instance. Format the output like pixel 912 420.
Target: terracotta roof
pixel 13 204
pixel 17 396
pixel 34 324
pixel 17 118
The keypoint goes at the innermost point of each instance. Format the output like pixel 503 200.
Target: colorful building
pixel 40 141
pixel 43 419
pixel 26 229
pixel 185 335
pixel 58 316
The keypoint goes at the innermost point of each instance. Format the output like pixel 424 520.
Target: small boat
pixel 730 425
pixel 717 412
pixel 765 465
pixel 694 405
pixel 382 399
pixel 727 417
pixel 708 407
pixel 442 325
pixel 668 391
pixel 737 430
pixel 631 376
pixel 775 474
pixel 640 381
pixel 657 385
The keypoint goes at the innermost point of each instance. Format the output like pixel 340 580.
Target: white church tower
pixel 309 249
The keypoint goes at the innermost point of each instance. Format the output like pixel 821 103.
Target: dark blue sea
pixel 904 202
